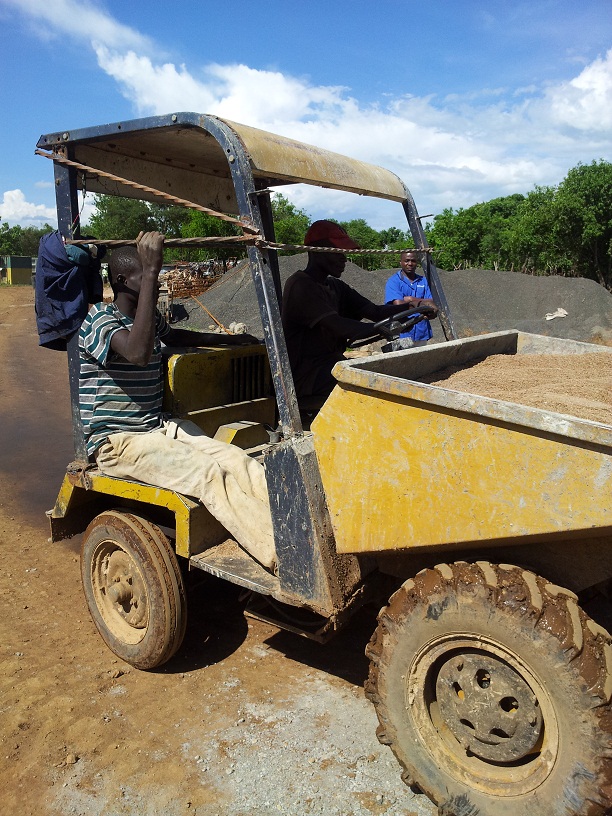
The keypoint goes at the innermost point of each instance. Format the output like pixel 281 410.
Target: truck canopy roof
pixel 190 155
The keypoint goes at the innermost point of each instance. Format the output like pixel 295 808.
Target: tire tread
pixel 552 609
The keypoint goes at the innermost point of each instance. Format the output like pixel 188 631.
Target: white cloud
pixel 450 151
pixel 15 209
pixel 80 19
pixel 453 151
pixel 154 88
pixel 585 103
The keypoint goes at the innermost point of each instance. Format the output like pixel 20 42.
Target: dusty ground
pixel 245 720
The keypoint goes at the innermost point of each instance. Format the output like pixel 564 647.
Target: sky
pixel 465 100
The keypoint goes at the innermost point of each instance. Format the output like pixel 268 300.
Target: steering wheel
pixel 391 327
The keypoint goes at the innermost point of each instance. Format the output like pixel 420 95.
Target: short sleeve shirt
pixel 399 286
pixel 115 395
pixel 305 303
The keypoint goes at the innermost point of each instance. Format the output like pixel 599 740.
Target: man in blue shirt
pixel 405 286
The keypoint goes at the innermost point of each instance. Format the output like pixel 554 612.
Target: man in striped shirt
pixel 120 398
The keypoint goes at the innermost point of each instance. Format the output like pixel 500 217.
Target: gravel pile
pixel 480 301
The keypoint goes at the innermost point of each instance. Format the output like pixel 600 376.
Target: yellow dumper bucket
pixel 408 466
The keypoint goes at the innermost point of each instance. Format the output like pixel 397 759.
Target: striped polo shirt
pixel 114 395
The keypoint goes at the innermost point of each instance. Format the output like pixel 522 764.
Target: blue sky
pixel 464 100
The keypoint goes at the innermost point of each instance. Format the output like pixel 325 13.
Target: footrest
pixel 231 562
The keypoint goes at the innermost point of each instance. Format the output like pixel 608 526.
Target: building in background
pixel 16 269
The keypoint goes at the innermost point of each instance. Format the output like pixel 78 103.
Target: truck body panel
pixel 434 467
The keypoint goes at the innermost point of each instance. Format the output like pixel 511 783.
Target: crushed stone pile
pixel 480 301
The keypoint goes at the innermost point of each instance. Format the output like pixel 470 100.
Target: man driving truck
pixel 321 314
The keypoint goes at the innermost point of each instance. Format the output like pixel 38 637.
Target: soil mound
pixel 480 301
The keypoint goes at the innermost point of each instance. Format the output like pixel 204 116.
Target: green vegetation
pixel 290 223
pixel 21 240
pixel 562 230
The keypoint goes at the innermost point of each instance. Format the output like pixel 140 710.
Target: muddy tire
pixel 133 588
pixel 492 687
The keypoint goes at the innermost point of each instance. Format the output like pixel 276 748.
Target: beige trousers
pixel 180 456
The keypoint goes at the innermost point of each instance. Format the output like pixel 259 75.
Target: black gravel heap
pixel 480 301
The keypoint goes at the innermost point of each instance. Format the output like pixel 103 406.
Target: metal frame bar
pixel 69 227
pixel 431 270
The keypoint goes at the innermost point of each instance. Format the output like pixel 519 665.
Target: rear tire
pixel 134 588
pixel 492 688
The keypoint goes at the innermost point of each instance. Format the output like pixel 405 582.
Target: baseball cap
pixel 330 233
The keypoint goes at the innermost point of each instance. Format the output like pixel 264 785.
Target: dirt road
pixel 245 720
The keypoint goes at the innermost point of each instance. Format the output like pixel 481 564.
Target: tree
pixel 202 225
pixel 21 240
pixel 169 219
pixel 117 217
pixel 290 223
pixel 363 233
pixel 10 239
pixel 583 221
pixel 453 238
pixel 395 238
pixel 367 238
pixel 477 236
pixel 530 242
pixel 494 219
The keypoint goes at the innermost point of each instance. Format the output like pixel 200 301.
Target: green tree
pixel 477 236
pixel 583 221
pixel 530 237
pixel 201 225
pixel 367 238
pixel 30 239
pixel 19 240
pixel 10 239
pixel 117 218
pixel 290 223
pixel 453 236
pixel 363 233
pixel 169 219
pixel 395 238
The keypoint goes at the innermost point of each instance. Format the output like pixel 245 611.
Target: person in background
pixel 410 289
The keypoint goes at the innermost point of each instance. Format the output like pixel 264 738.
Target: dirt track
pixel 245 720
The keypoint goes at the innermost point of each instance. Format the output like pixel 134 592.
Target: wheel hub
pixel 488 707
pixel 124 590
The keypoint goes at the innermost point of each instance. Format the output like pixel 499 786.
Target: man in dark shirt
pixel 322 314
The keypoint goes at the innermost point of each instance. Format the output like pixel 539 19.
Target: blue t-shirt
pixel 399 286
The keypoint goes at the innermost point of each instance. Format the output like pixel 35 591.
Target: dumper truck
pixel 483 524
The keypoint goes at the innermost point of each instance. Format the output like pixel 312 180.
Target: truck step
pixel 229 561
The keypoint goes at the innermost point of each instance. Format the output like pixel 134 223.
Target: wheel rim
pixel 120 592
pixel 482 714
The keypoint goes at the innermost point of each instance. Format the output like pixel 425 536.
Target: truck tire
pixel 492 688
pixel 133 588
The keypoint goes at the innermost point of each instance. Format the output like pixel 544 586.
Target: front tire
pixel 133 588
pixel 493 688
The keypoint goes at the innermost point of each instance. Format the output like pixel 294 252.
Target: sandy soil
pixel 575 385
pixel 245 720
